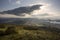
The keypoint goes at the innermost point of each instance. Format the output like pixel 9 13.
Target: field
pixel 24 32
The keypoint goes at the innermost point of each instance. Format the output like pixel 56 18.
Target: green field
pixel 23 32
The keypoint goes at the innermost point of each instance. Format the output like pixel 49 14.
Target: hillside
pixel 24 32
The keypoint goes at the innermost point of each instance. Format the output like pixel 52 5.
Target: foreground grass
pixel 19 32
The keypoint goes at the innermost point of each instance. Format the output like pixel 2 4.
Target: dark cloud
pixel 22 10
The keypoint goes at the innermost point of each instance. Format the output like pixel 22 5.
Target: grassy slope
pixel 19 32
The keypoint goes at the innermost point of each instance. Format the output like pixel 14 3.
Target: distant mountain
pixel 21 20
pixel 28 21
pixel 13 20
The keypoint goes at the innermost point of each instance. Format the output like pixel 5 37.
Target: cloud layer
pixel 35 10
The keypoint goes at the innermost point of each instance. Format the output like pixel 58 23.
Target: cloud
pixel 8 16
pixel 18 2
pixel 9 1
pixel 45 12
pixel 33 11
pixel 22 10
pixel 14 16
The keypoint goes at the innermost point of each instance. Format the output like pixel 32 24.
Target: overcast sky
pixel 50 8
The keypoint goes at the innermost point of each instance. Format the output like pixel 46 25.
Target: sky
pixel 50 8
